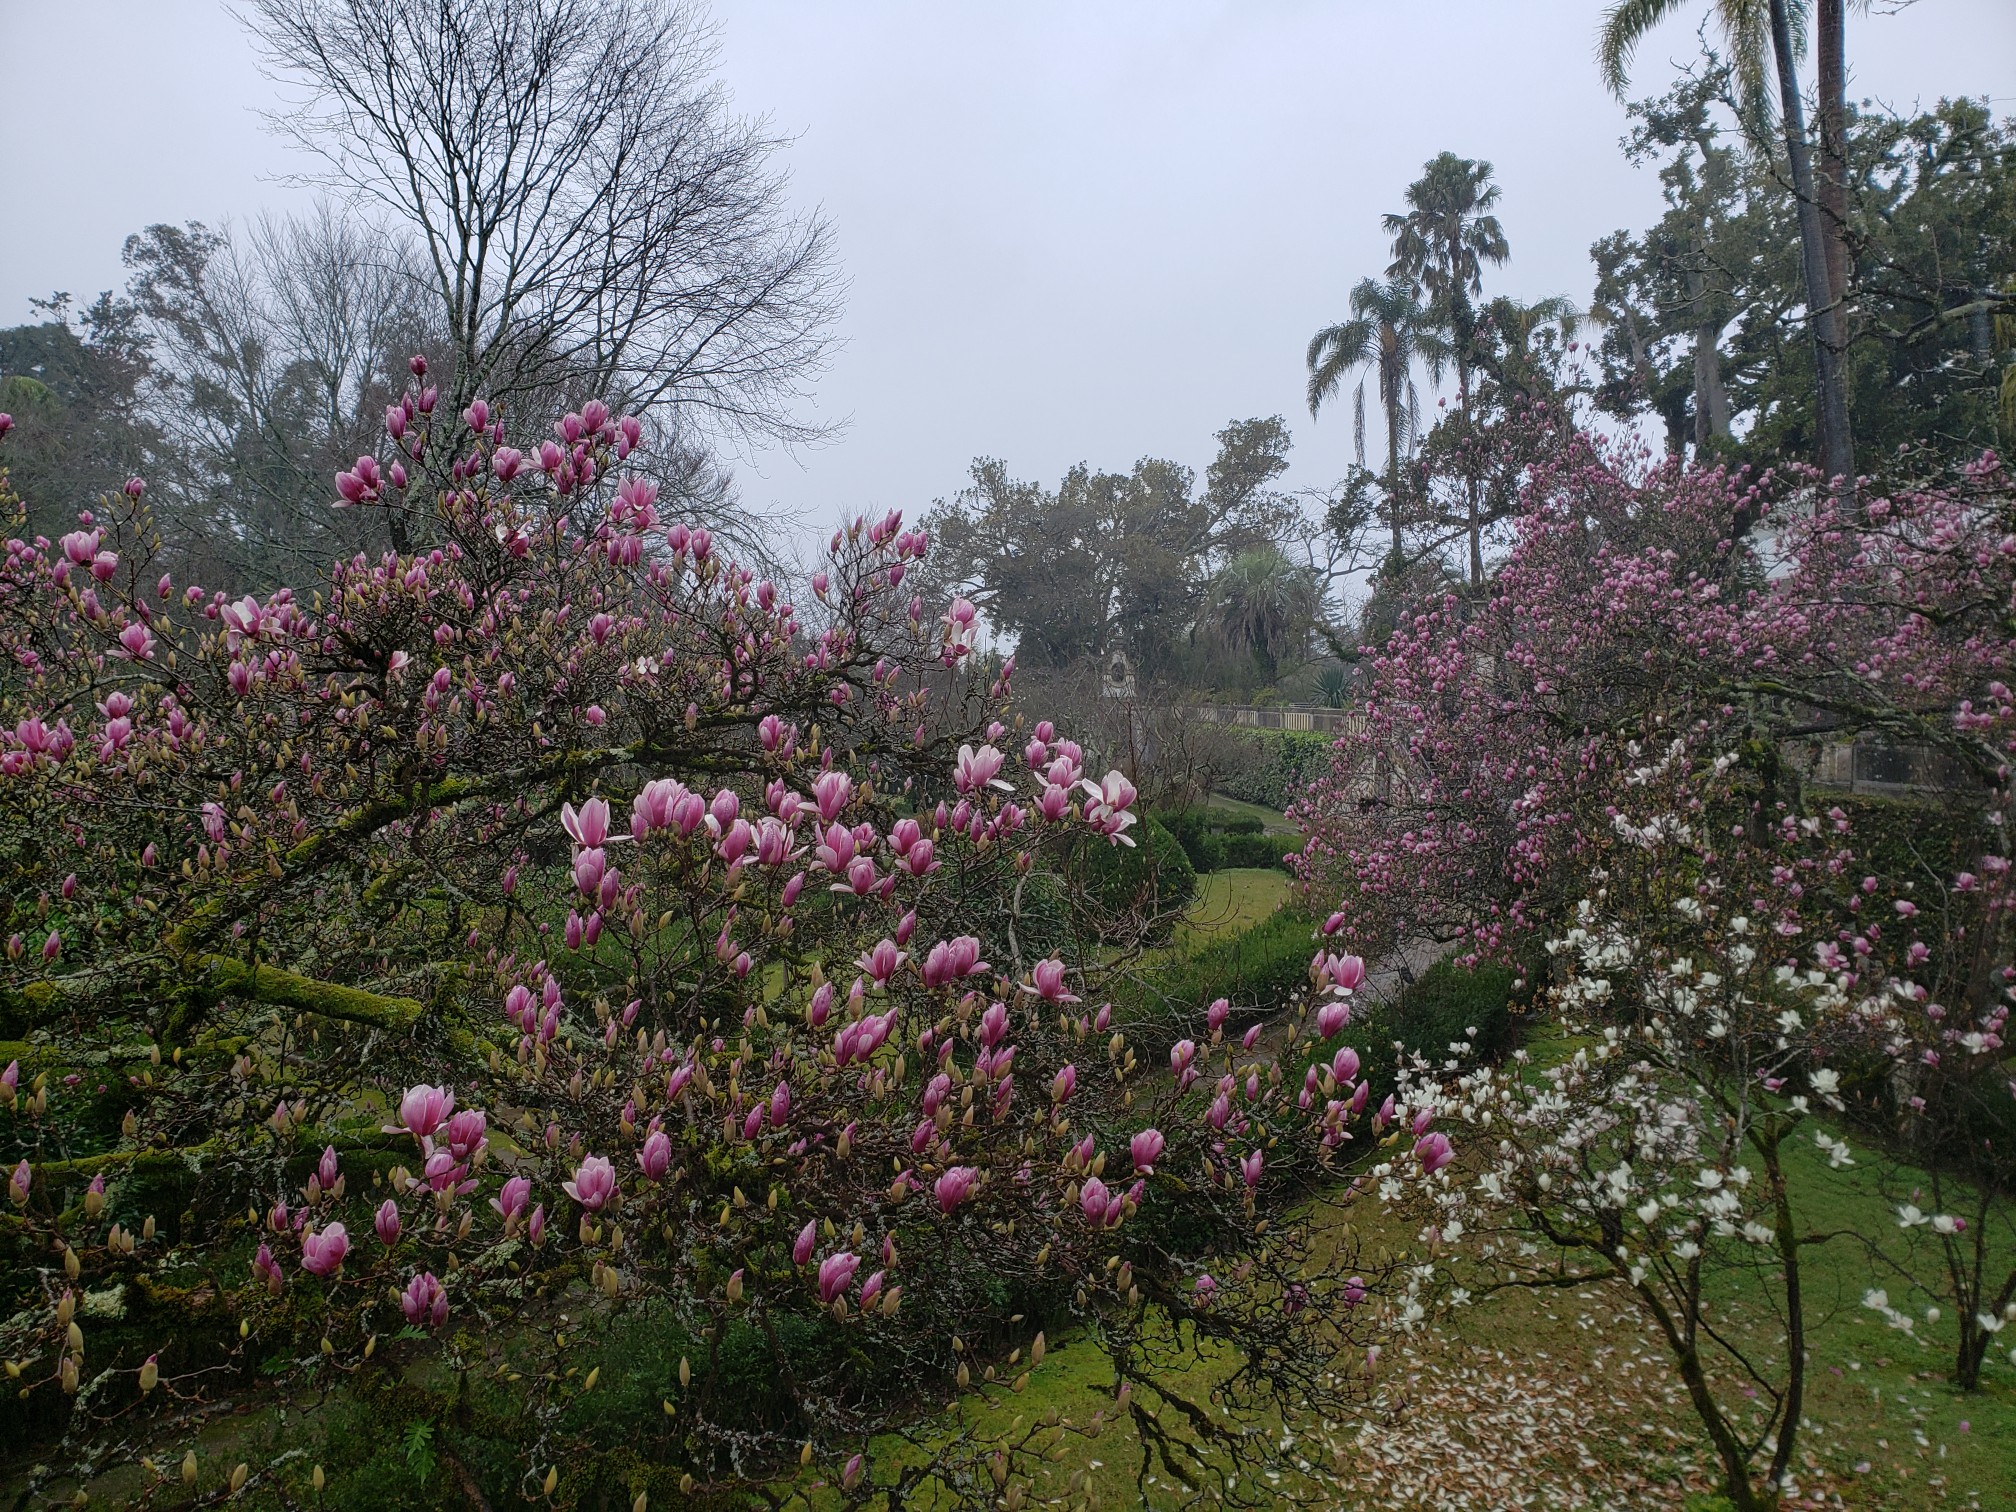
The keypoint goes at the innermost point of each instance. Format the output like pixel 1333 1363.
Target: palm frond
pixel 1624 25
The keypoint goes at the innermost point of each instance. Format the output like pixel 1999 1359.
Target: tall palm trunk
pixel 1837 454
pixel 1830 18
pixel 1463 328
pixel 1390 392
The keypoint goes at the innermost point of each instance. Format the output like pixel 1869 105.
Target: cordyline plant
pixel 557 933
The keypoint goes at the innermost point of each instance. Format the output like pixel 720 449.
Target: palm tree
pixel 1514 323
pixel 1265 603
pixel 1441 244
pixel 1764 36
pixel 1388 332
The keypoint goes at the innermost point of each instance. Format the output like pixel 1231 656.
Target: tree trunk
pixel 1393 474
pixel 1831 48
pixel 1837 455
pixel 1464 329
pixel 1711 398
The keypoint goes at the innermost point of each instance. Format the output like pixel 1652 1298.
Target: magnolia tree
pixel 554 938
pixel 1461 807
pixel 1599 757
pixel 1653 1156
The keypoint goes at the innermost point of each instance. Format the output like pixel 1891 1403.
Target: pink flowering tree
pixel 1603 768
pixel 558 934
pixel 1636 604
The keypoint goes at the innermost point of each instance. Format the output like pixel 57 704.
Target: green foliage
pixel 1289 761
pixel 1261 850
pixel 1261 971
pixel 1215 838
pixel 1438 1008
pixel 1931 198
pixel 1441 1006
pixel 1152 879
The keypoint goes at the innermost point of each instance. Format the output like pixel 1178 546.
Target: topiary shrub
pixel 1148 884
pixel 1440 1006
pixel 1258 850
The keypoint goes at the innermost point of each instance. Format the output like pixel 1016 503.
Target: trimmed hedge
pixel 1214 839
pixel 1432 1012
pixel 1261 850
pixel 1261 971
pixel 1287 761
pixel 1152 877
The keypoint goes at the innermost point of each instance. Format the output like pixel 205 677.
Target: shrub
pixel 1139 891
pixel 1257 850
pixel 1260 971
pixel 1289 760
pixel 1217 838
pixel 1441 1005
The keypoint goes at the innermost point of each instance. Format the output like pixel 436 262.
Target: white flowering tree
pixel 1652 1158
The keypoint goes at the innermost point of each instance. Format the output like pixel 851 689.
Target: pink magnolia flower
pixel 801 1249
pixel 322 1253
pixel 387 1222
pixel 882 962
pixel 593 1185
pixel 1046 980
pixel 19 1182
pixel 1206 1288
pixel 1433 1151
pixel 977 769
pixel 1102 1207
pixel 1064 1083
pixel 655 1158
pixel 994 1025
pixel 1249 1167
pixel 955 1186
pixel 871 1289
pixel 588 826
pixel 423 1110
pixel 836 1274
pixel 1146 1148
pixel 510 1201
pixel 831 791
pixel 424 1302
pixel 1331 1019
pixel 266 1270
pixel 465 1133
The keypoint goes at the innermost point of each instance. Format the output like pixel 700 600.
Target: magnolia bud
pixel 189 1468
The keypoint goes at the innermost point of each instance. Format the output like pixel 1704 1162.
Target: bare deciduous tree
pixel 589 212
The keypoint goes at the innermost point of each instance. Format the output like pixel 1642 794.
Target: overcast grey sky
pixel 1089 230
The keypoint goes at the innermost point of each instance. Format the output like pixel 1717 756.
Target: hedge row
pixel 1285 762
pixel 1214 839
pixel 1264 971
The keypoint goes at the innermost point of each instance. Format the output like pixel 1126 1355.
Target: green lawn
pixel 1273 821
pixel 1231 901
